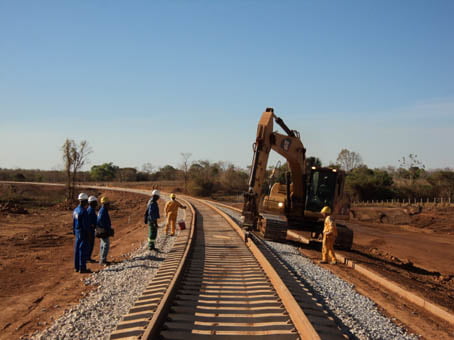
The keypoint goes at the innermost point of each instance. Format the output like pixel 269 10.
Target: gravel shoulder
pixel 118 286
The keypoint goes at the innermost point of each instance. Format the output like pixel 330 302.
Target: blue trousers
pixel 80 251
pixel 104 249
pixel 91 243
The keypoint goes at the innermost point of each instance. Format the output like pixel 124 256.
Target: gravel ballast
pixel 355 311
pixel 119 285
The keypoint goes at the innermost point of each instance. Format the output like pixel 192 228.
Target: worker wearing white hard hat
pixel 92 217
pixel 80 230
pixel 329 236
pixel 151 217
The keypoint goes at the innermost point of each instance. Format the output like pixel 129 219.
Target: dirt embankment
pixel 37 278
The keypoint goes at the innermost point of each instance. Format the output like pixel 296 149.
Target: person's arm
pixel 101 219
pixel 108 222
pixel 74 223
pixel 145 215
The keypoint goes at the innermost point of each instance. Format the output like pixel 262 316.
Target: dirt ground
pixel 37 278
pixel 419 259
pixel 400 311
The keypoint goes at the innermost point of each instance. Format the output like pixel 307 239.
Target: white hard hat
pixel 82 196
pixel 155 193
pixel 92 199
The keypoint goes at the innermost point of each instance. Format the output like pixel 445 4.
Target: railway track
pixel 215 285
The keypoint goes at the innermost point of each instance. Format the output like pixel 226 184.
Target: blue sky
pixel 143 81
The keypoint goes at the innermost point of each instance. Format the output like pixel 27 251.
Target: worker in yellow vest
pixel 329 237
pixel 171 211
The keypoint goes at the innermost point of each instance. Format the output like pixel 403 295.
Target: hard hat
pixel 92 199
pixel 326 210
pixel 172 196
pixel 82 196
pixel 155 193
pixel 104 199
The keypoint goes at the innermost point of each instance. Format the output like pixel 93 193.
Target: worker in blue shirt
pixel 80 230
pixel 104 223
pixel 151 217
pixel 92 221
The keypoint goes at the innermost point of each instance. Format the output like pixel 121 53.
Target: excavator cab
pixel 325 186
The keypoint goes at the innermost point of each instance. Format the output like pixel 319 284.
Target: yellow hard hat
pixel 326 210
pixel 104 199
pixel 172 196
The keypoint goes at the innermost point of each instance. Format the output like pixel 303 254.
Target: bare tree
pixel 412 165
pixel 67 159
pixel 349 160
pixel 74 157
pixel 185 168
pixel 148 168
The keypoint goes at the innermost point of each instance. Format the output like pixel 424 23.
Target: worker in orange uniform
pixel 329 236
pixel 171 210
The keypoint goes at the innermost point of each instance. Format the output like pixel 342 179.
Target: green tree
pixel 204 178
pixel 443 182
pixel 167 173
pixel 104 172
pixel 233 180
pixel 366 184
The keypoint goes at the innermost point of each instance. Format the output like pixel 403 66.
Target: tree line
pixel 204 178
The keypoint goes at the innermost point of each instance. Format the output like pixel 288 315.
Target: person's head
pixel 92 201
pixel 172 196
pixel 155 195
pixel 83 199
pixel 326 211
pixel 105 201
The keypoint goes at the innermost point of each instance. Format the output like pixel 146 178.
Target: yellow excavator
pixel 300 199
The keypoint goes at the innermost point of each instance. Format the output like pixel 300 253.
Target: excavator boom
pixel 290 147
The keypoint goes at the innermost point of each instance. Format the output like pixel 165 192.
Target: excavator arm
pixel 290 147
